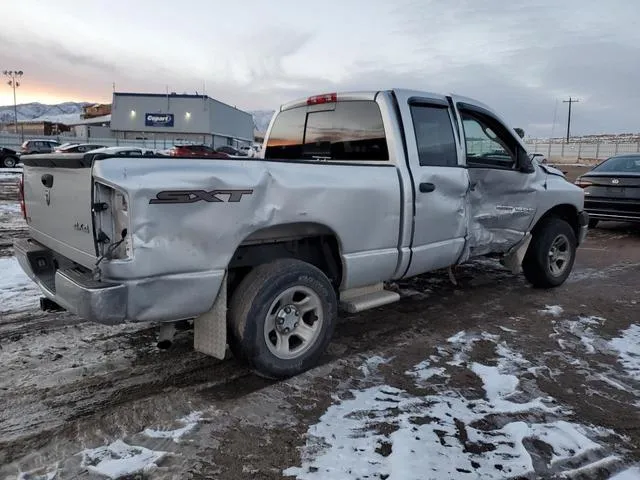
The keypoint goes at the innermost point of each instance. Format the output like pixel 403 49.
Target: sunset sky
pixel 519 57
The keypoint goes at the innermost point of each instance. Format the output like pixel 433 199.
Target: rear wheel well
pixel 566 212
pixel 322 251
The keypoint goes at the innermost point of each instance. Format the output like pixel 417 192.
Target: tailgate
pixel 58 200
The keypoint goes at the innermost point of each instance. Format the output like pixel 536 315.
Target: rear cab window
pixel 340 131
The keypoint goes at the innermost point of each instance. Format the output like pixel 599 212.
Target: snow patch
pixel 628 348
pixel 35 476
pixel 555 310
pixel 632 473
pixel 17 291
pixel 189 422
pixel 386 432
pixel 119 459
pixel 370 366
pixel 424 372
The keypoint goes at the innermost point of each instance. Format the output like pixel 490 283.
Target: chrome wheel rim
pixel 293 322
pixel 559 255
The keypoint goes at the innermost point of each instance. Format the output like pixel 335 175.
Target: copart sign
pixel 158 119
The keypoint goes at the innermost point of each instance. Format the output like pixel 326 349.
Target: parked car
pixel 262 254
pixel 64 145
pixel 77 148
pixel 247 150
pixel 128 151
pixel 231 151
pixel 8 158
pixel 612 189
pixel 38 146
pixel 541 158
pixel 202 151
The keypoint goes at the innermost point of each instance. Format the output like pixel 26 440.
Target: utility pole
pixel 570 101
pixel 14 76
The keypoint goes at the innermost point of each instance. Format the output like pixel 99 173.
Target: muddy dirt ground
pixel 488 378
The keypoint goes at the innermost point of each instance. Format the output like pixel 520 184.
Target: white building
pixel 176 118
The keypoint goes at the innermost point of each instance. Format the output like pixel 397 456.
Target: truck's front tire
pixel 281 318
pixel 551 254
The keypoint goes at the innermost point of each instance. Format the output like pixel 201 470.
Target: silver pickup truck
pixel 350 191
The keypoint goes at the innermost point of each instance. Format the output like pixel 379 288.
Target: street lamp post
pixel 14 77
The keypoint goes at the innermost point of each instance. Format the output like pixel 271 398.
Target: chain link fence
pixel 581 151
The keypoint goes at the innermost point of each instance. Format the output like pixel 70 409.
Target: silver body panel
pixel 385 227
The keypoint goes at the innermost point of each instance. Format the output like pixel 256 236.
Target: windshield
pixel 628 164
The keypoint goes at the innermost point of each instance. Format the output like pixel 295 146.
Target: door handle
pixel 47 180
pixel 427 187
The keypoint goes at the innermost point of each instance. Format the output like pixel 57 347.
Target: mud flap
pixel 210 328
pixel 513 258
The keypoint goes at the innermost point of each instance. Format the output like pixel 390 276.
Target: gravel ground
pixel 487 379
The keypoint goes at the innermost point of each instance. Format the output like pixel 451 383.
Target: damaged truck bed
pixel 351 191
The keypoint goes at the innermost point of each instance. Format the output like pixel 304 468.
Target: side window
pixel 434 136
pixel 488 143
pixel 352 131
pixel 285 140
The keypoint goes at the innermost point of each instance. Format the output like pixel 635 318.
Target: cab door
pixel 503 193
pixel 440 182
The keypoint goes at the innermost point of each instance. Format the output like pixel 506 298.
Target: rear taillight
pixel 326 98
pixel 112 230
pixel 583 183
pixel 23 206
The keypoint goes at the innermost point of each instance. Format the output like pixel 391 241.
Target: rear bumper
pixel 165 298
pixel 617 210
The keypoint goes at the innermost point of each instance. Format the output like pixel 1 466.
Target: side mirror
pixel 525 165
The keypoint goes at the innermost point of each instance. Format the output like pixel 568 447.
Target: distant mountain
pixel 61 112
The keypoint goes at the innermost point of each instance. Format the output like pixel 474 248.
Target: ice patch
pixel 509 330
pixel 119 459
pixel 555 310
pixel 628 348
pixel 189 422
pixel 17 291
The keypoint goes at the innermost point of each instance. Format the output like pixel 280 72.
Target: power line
pixel 570 101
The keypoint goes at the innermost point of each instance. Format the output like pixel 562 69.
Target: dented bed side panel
pixel 176 231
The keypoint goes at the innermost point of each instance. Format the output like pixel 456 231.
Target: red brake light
pixel 23 206
pixel 326 98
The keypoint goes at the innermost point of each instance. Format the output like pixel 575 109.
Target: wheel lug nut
pixel 287 310
pixel 286 330
pixel 280 321
pixel 295 324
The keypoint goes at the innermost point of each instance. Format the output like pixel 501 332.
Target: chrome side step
pixel 364 298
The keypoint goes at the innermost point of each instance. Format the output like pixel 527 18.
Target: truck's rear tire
pixel 281 318
pixel 551 254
